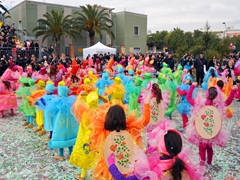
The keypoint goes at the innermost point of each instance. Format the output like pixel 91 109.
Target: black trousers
pixel 200 76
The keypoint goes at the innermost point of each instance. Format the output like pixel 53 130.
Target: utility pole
pixel 225 29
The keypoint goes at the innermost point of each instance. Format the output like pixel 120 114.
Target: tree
pixel 206 36
pixel 6 16
pixel 197 33
pixel 3 8
pixel 174 39
pixel 56 25
pixel 3 15
pixel 188 37
pixel 94 20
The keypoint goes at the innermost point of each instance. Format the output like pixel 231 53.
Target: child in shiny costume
pixel 27 109
pixel 205 146
pixel 83 154
pixel 65 127
pixel 35 95
pixel 183 106
pixel 114 119
pixel 168 160
pixel 7 97
pixel 116 91
pixel 42 103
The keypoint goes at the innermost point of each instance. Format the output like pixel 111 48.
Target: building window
pixel 20 25
pixel 136 31
pixel 136 50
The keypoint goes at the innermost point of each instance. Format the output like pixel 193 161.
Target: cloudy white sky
pixel 166 15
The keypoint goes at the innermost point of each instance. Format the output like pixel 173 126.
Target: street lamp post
pixel 225 29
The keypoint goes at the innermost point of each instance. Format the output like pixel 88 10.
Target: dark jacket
pixel 211 64
pixel 198 64
pixel 170 62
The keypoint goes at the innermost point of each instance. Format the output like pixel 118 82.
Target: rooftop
pixel 45 3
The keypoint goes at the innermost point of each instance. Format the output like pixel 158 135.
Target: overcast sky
pixel 166 15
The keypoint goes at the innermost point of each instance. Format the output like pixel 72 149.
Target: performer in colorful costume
pixel 134 90
pixel 33 98
pixel 237 73
pixel 83 154
pixel 92 77
pixel 171 86
pixel 213 98
pixel 146 80
pixel 178 74
pixel 115 121
pixel 184 107
pixel 164 159
pixel 103 82
pixel 116 91
pixel 208 80
pixel 26 108
pixel 74 80
pixel 65 127
pixel 41 75
pixel 7 97
pixel 42 104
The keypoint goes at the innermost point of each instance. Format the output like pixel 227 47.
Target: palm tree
pixel 3 15
pixel 94 20
pixel 3 8
pixel 6 15
pixel 56 25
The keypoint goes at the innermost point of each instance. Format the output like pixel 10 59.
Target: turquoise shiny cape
pixel 48 116
pixel 65 126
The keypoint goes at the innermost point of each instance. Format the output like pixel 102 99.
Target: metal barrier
pixel 14 52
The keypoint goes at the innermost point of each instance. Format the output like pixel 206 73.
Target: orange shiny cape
pixel 35 95
pixel 226 92
pixel 99 134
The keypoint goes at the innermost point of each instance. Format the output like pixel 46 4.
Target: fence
pixel 22 52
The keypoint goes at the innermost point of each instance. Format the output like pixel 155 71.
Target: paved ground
pixel 23 155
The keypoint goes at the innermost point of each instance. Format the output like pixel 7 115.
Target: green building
pixel 130 29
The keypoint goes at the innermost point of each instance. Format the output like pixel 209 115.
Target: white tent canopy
pixel 98 48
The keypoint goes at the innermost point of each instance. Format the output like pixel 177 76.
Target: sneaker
pixel 59 158
pixel 29 126
pixel 25 124
pixel 47 139
pixel 78 177
pixel 37 130
pixel 42 132
pixel 238 100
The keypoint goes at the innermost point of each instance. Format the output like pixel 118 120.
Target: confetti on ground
pixel 24 155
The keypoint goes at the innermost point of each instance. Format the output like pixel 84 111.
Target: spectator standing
pixel 187 63
pixel 50 49
pixel 198 65
pixel 213 62
pixel 36 49
pixel 169 60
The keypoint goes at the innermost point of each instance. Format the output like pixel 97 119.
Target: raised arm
pixel 181 93
pixel 117 175
pixel 139 124
pixel 113 169
pixel 189 95
pixel 231 96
